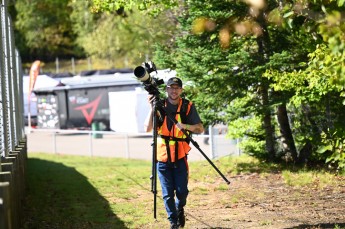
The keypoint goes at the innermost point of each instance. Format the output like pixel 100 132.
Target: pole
pixel 154 157
pixel 198 147
pixel 29 116
pixel 57 64
pixel 211 140
pixel 195 144
pixel 73 66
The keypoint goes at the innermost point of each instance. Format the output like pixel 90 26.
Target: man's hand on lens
pixel 150 99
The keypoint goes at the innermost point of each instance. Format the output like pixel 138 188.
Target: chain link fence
pixel 124 145
pixel 12 133
pixel 14 142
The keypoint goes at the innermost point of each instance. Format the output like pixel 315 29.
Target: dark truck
pixel 80 101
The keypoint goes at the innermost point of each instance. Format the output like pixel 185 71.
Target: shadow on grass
pixel 58 196
pixel 258 168
pixel 270 167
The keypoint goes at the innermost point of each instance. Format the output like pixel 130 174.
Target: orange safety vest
pixel 174 138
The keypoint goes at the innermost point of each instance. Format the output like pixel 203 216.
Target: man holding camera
pixel 173 147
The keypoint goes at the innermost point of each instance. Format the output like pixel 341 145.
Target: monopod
pixel 154 156
pixel 151 86
pixel 158 104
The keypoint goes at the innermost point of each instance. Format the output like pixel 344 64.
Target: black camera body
pixel 143 73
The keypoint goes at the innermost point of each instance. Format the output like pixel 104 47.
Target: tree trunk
pixel 289 146
pixel 264 52
pixel 268 127
pixel 306 150
pixel 309 115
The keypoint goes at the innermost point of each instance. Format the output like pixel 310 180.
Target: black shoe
pixel 173 226
pixel 181 218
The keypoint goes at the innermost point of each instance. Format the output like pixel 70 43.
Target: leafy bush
pixel 254 148
pixel 333 148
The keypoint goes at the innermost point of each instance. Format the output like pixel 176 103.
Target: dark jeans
pixel 173 179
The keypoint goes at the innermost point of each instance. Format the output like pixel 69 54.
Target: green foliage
pixel 316 100
pixel 46 31
pixel 111 5
pixel 254 148
pixel 253 143
pixel 333 148
pixel 128 34
pixel 228 72
pixel 246 126
pixel 84 21
pixel 112 33
pixel 240 60
pixel 155 7
pixel 199 58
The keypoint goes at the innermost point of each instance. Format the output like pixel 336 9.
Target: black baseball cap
pixel 174 80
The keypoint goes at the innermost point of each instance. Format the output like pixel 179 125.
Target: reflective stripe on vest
pixel 174 136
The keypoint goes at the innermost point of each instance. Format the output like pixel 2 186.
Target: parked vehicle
pixel 115 102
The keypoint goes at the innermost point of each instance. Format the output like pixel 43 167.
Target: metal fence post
pixel 127 146
pixel 91 146
pixel 54 142
pixel 12 132
pixel 238 146
pixel 211 141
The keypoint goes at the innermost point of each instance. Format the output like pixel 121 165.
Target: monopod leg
pixel 155 193
pixel 154 159
pixel 215 167
pixel 196 145
pixel 153 179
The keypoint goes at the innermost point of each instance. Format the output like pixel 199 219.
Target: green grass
pixel 65 191
pixel 84 192
pixel 304 177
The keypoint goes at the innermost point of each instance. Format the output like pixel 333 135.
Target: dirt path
pixel 264 201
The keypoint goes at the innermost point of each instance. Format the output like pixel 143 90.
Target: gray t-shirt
pixel 191 119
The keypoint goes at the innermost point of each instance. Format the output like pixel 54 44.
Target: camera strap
pixel 183 112
pixel 167 140
pixel 184 109
pixel 183 115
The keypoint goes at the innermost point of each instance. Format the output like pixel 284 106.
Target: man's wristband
pixel 187 126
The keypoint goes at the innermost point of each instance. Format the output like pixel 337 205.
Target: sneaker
pixel 173 226
pixel 181 218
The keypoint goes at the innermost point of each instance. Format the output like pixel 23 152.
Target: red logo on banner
pixel 92 106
